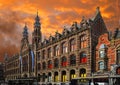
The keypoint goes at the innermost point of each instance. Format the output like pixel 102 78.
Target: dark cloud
pixel 54 15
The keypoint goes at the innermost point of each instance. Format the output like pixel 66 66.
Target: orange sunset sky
pixel 54 15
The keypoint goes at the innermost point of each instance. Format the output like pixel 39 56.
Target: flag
pixel 21 64
pixel 20 59
pixel 32 56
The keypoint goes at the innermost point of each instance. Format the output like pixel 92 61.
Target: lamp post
pixel 92 79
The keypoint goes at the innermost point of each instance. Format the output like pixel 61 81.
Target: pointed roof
pixel 97 13
pixel 25 31
pixel 37 21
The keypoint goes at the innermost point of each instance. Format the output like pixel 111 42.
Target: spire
pixel 37 21
pixel 97 13
pixel 25 31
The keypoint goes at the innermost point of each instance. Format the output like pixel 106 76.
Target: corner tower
pixel 36 36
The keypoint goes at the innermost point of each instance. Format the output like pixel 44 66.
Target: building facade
pixel 1 73
pixel 74 53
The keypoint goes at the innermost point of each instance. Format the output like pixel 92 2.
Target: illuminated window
pixel 56 50
pixel 83 57
pixel 64 76
pixel 83 41
pixel 56 77
pixel 72 74
pixel 82 72
pixel 72 60
pixel 72 45
pixel 64 48
pixel 64 61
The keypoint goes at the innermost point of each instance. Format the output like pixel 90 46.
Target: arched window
pixel 102 51
pixel 56 63
pixel 72 45
pixel 64 61
pixel 44 65
pixel 72 60
pixel 72 74
pixel 83 41
pixel 118 55
pixel 82 72
pixel 44 77
pixel 64 48
pixel 64 76
pixel 56 50
pixel 38 56
pixel 49 77
pixel 43 54
pixel 39 77
pixel 56 77
pixel 49 64
pixel 83 57
pixel 49 53
pixel 39 66
pixel 101 65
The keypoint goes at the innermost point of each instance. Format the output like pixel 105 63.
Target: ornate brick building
pixel 74 53
pixel 108 56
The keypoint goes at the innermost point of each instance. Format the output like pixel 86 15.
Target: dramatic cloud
pixel 54 15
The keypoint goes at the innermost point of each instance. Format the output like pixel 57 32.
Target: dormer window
pixel 57 35
pixel 45 42
pixel 51 38
pixel 65 31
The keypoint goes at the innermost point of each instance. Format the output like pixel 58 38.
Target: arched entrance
pixel 72 74
pixel 56 77
pixel 64 76
pixel 49 77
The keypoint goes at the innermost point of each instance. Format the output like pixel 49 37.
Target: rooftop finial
pixel 37 12
pixel 98 9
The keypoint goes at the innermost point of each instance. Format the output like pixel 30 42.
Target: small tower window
pixel 101 65
pixel 102 51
